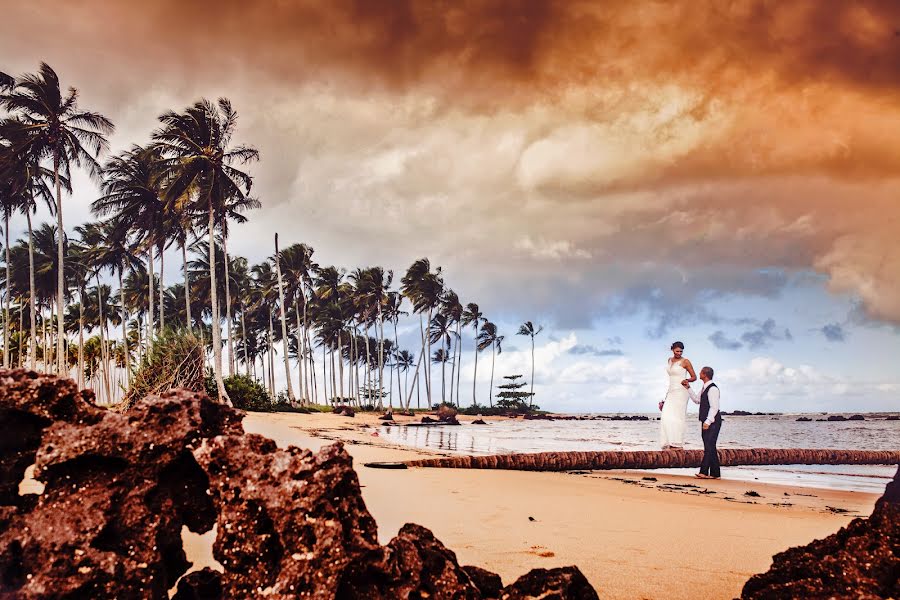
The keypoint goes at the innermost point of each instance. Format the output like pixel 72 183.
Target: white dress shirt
pixel 713 397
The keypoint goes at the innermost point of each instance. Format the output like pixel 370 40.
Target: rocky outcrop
pixel 861 560
pixel 119 488
pixel 663 459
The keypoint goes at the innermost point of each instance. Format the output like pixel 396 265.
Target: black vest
pixel 704 404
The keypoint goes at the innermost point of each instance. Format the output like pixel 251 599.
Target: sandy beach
pixel 675 537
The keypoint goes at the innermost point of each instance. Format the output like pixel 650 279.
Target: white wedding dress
pixel 674 412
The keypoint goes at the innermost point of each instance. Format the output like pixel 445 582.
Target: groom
pixel 712 422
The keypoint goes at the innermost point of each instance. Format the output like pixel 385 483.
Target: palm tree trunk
pixel 21 329
pixel 228 337
pixel 531 397
pixel 162 290
pixel 151 287
pixel 491 390
pixel 380 355
pixel 214 301
pixel 415 379
pixel 33 343
pixel 444 369
pixel 187 286
pixel 428 362
pixel 60 275
pixel 367 372
pixel 271 340
pixel 81 338
pixel 104 350
pixel 324 376
pixel 124 326
pixel 300 365
pixel 396 360
pixel 475 372
pixel 244 336
pixel 6 348
pixel 458 358
pixel 454 350
pixel 284 337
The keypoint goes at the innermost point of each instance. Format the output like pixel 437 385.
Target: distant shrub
pixel 245 393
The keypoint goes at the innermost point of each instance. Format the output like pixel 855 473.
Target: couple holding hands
pixel 674 410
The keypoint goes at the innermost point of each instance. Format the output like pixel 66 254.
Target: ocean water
pixel 775 431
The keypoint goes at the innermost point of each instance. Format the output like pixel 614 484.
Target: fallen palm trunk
pixel 664 459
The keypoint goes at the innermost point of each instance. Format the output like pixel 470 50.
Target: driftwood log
pixel 663 459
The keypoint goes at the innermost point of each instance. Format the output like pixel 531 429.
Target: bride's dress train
pixel 674 412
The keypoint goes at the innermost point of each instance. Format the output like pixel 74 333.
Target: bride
pixel 674 407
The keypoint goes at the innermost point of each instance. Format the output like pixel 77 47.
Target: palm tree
pixel 488 338
pixel 527 328
pixel 405 359
pixel 423 288
pixel 25 182
pixel 440 331
pixel 453 309
pixel 392 314
pixel 197 148
pixel 132 196
pixel 297 268
pixel 473 316
pixel 59 131
pixel 282 309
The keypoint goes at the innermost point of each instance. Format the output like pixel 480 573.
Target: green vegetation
pixel 176 359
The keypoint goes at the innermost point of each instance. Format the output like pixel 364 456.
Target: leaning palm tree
pixel 282 310
pixel 64 134
pixel 198 151
pixel 423 288
pixel 528 328
pixel 473 316
pixel 488 338
pixel 453 309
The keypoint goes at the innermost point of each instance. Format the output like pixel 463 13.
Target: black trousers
pixel 710 464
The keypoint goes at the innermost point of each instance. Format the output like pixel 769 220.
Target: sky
pixel 624 173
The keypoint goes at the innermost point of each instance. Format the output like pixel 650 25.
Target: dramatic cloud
pixel 577 160
pixel 722 342
pixel 834 332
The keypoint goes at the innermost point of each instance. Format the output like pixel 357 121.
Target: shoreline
pixel 632 537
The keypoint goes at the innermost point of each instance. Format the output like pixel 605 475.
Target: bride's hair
pixel 677 345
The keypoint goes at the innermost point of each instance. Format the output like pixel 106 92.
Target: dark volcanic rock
pixel 200 585
pixel 566 583
pixel 836 418
pixel 288 520
pixel 489 584
pixel 386 417
pixel 30 404
pixel 120 487
pixel 857 418
pixel 538 417
pixel 862 560
pixel 479 422
pixel 804 420
pixel 344 411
